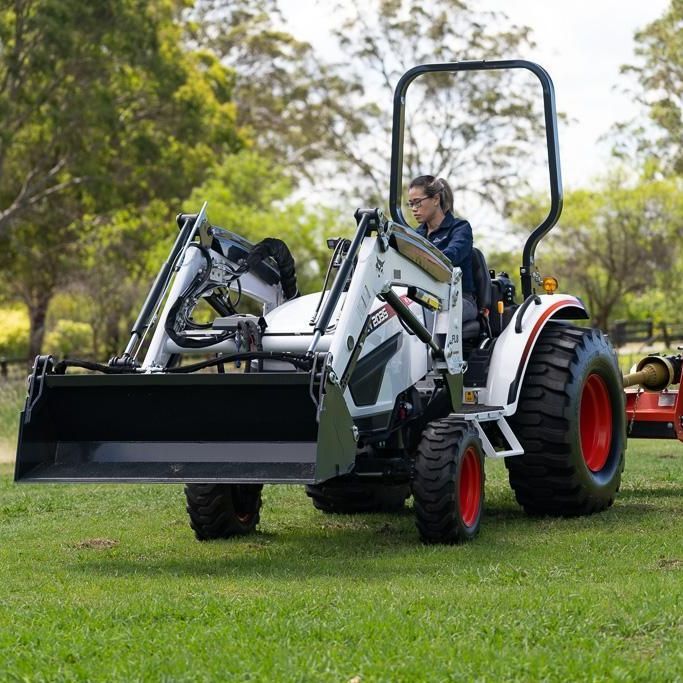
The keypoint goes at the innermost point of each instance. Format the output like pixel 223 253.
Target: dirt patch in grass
pixel 96 544
pixel 670 563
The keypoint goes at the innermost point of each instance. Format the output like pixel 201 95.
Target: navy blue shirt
pixel 454 238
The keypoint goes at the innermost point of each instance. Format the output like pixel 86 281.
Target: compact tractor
pixel 366 393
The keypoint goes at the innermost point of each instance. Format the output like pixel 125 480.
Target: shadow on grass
pixel 655 491
pixel 372 547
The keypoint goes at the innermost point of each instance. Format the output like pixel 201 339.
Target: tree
pixel 102 107
pixel 120 259
pixel 476 129
pixel 615 244
pixel 329 123
pixel 291 103
pixel 659 70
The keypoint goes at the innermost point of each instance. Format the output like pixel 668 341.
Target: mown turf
pixel 12 395
pixel 105 583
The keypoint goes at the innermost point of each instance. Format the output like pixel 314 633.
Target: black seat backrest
pixel 482 280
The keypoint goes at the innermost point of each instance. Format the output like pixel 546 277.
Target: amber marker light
pixel 549 285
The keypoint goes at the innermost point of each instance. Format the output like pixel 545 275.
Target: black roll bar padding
pixel 407 316
pixel 550 113
pixel 363 218
pixel 160 283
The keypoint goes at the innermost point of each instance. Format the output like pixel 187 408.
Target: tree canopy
pixel 659 73
pixel 103 107
pixel 477 130
pixel 615 244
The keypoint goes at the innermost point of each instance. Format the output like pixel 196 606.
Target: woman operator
pixel 431 201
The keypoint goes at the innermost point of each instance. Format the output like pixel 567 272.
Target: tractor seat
pixel 482 295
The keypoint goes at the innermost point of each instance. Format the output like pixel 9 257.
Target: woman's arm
pixel 459 245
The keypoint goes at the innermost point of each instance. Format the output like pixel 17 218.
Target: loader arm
pixel 389 256
pixel 157 424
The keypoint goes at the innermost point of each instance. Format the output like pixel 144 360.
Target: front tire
pixel 448 482
pixel 223 510
pixel 570 421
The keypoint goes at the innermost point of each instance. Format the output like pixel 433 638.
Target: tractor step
pixel 479 412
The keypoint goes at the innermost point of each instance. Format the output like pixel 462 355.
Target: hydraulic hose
pixel 279 251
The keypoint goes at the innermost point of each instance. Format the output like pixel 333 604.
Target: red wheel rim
pixel 242 505
pixel 470 487
pixel 595 423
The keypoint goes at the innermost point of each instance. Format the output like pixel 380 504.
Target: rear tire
pixel 448 482
pixel 223 510
pixel 570 421
pixel 349 496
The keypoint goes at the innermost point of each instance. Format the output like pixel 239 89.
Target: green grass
pixel 12 395
pixel 105 583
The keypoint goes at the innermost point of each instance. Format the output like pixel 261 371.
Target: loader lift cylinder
pixel 406 315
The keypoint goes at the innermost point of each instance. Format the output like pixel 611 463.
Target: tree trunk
pixel 37 313
pixel 601 317
pixel 112 335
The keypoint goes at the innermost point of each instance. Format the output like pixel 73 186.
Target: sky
pixel 581 44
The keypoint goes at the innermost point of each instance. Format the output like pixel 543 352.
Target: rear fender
pixel 513 348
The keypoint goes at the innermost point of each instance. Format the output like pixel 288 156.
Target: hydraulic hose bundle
pixel 178 319
pixel 280 253
pixel 178 323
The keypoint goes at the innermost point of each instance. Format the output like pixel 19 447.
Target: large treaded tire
pixel 223 510
pixel 448 482
pixel 570 421
pixel 350 496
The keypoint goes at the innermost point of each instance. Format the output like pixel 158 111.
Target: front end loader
pixel 367 392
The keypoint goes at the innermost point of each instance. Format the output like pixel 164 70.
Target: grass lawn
pixel 108 583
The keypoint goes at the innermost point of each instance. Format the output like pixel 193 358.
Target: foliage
pixel 103 107
pixel 330 122
pixel 290 102
pixel 12 398
pixel 320 598
pixel 659 70
pixel 121 256
pixel 69 338
pixel 14 328
pixel 615 244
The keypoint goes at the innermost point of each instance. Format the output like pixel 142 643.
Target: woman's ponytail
pixel 443 189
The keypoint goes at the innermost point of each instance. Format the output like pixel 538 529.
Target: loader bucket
pixel 246 428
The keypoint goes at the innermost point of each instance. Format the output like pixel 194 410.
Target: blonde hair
pixel 432 187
